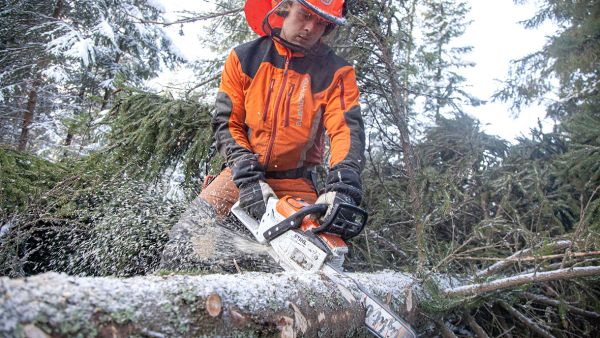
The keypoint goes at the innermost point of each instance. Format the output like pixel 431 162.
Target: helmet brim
pixel 340 21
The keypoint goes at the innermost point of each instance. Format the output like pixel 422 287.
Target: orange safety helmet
pixel 259 18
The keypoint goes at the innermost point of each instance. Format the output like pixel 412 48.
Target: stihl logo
pixel 326 2
pixel 300 239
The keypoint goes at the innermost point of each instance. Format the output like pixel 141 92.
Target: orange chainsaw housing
pixel 288 205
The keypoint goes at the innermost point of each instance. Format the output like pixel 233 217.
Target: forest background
pixel 96 166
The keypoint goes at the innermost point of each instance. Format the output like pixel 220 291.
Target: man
pixel 278 96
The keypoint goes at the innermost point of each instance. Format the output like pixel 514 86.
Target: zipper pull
pixel 287 106
pixel 288 56
pixel 268 100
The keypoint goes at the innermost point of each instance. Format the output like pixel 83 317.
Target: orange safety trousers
pixel 222 193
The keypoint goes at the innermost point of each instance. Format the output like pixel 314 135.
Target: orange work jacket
pixel 274 107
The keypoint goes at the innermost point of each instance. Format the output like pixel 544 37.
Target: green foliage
pixel 151 133
pixel 571 56
pixel 24 177
pixel 72 55
pixel 581 166
pixel 92 222
pixel 436 302
pixel 455 159
pixel 524 187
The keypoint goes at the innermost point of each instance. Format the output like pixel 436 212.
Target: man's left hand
pixel 332 198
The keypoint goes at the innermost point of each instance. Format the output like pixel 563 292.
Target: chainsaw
pixel 301 243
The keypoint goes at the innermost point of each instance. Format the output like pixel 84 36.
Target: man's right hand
pixel 254 197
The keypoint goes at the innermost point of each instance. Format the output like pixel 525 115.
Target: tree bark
pixel 33 92
pixel 249 304
pixel 28 116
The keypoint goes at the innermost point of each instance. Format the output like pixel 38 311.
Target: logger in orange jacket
pixel 279 95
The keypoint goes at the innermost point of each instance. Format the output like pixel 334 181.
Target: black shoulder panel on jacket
pixel 321 67
pixel 252 54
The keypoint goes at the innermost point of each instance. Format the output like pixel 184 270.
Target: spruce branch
pixel 553 302
pixel 190 19
pixel 557 246
pixel 479 331
pixel 531 258
pixel 444 329
pixel 525 320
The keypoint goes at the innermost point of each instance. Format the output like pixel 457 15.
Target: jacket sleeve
pixel 343 121
pixel 229 127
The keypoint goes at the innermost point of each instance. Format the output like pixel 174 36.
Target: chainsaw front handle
pixel 345 220
pixel 294 221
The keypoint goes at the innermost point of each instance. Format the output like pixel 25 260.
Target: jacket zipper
pixel 283 82
pixel 287 106
pixel 265 111
pixel 342 103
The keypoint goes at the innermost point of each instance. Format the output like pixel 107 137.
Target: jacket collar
pixel 284 51
pixel 319 51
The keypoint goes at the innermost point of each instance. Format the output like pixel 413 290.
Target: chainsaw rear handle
pixel 346 220
pixel 294 221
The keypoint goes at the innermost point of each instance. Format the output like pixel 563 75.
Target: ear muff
pixel 257 10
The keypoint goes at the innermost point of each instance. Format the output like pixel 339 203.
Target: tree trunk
pixel 108 92
pixel 28 116
pixel 398 102
pixel 248 304
pixel 71 129
pixel 33 92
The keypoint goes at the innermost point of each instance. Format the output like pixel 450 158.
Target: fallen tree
pixel 248 304
pixel 257 304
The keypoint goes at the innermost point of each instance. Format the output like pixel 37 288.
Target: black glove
pixel 345 180
pixel 332 198
pixel 254 197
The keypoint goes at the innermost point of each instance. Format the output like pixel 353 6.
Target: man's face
pixel 302 27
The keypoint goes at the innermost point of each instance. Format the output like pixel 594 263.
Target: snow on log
pixel 248 304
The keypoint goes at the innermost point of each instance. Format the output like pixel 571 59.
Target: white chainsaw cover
pixel 296 253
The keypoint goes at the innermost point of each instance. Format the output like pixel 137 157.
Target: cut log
pixel 248 304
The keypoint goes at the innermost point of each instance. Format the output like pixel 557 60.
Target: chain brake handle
pixel 346 220
pixel 294 221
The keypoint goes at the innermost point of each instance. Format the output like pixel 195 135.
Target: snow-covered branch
pixel 509 282
pixel 554 247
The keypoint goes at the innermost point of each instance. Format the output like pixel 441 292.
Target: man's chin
pixel 303 43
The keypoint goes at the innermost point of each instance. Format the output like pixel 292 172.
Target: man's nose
pixel 310 25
